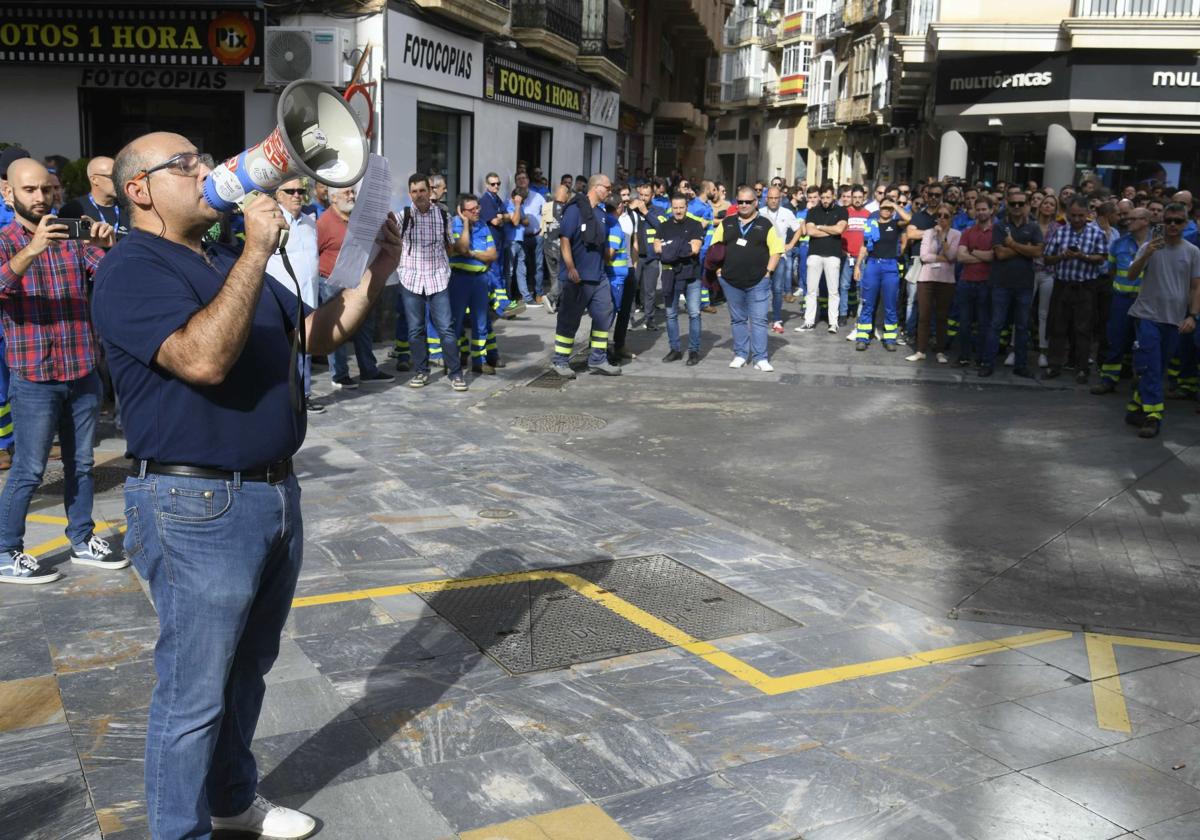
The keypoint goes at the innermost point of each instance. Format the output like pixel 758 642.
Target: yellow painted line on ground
pixel 572 823
pixel 43 519
pixel 671 634
pixel 1112 713
pixel 62 542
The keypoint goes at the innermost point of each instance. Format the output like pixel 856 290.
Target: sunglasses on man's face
pixel 943 215
pixel 1016 204
pixel 745 201
pixel 294 192
pixel 493 183
pixel 1174 221
pixel 935 195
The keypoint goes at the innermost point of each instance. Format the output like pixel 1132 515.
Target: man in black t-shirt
pixel 100 204
pixel 824 226
pixel 677 242
pixel 1016 242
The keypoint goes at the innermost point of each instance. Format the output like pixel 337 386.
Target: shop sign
pixel 148 77
pixel 1002 78
pixel 103 36
pixel 506 81
pixel 1160 77
pixel 428 55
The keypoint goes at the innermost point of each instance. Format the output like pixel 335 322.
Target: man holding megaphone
pixel 202 345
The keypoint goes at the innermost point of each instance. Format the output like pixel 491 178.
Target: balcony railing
pixel 854 109
pixel 921 13
pixel 558 17
pixel 598 33
pixel 820 115
pixel 1137 8
pixel 829 25
pixel 768 38
pixel 745 88
pixel 861 11
pixel 712 95
pixel 738 32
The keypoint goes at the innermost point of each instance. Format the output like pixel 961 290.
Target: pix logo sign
pixel 231 38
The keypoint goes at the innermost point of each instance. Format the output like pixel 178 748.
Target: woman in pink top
pixel 935 286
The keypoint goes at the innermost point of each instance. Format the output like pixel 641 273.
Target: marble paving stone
pixel 1010 674
pixel 101 691
pixel 831 713
pixel 1185 827
pixel 1118 788
pixel 404 607
pixel 1165 751
pixel 113 740
pixel 556 709
pixel 23 652
pixel 413 685
pixel 328 618
pixel 846 647
pixel 502 785
pixel 928 691
pixel 1075 707
pixel 923 752
pixel 1163 689
pixel 30 702
pixel 653 690
pixel 621 759
pixel 1014 735
pixel 733 733
pixel 1006 808
pixel 447 730
pixel 385 807
pixel 690 810
pixel 308 703
pixel 1071 655
pixel 119 797
pixel 98 648
pixel 63 618
pixel 50 809
pixel 571 823
pixel 817 787
pixel 290 664
pixel 37 753
pixel 369 543
pixel 367 647
pixel 295 762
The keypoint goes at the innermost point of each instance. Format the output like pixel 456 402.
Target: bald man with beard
pixel 100 203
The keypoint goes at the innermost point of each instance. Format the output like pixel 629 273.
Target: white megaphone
pixel 317 135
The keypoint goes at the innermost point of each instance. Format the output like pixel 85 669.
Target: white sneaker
pixel 738 362
pixel 941 359
pixel 764 366
pixel 268 820
pixel 98 553
pixel 1010 359
pixel 915 357
pixel 1042 360
pixel 833 328
pixel 853 334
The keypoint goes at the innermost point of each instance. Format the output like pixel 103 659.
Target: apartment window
pixel 791 7
pixel 861 59
pixel 797 59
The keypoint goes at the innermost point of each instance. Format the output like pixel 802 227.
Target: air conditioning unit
pixel 300 52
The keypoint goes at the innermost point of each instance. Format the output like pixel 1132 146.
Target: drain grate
pixel 548 380
pixel 541 624
pixel 559 423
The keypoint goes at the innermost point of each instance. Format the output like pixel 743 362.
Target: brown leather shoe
pixel 789 298
pixel 710 310
pixel 5 459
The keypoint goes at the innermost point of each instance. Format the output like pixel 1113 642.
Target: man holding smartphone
pixel 51 352
pixel 1078 252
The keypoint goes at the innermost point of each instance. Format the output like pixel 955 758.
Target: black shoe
pixel 1134 418
pixel 347 382
pixel 650 326
pixel 963 361
pixel 1149 428
pixel 1022 372
pixel 841 320
pixel 860 346
pixel 376 378
pixel 1081 378
pixel 673 356
pixel 693 358
pixel 403 367
pixel 889 346
pixel 313 405
pixel 986 371
pixel 1052 373
pixel 1105 387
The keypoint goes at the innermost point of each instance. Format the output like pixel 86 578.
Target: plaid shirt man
pixel 1090 240
pixel 46 316
pixel 424 265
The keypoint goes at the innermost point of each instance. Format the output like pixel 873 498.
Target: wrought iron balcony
pixel 742 31
pixel 747 88
pixel 1137 8
pixel 602 31
pixel 552 27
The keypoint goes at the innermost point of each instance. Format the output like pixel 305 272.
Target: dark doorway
pixel 214 121
pixel 533 147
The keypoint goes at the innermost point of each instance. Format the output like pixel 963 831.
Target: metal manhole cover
pixel 535 625
pixel 561 423
pixel 549 380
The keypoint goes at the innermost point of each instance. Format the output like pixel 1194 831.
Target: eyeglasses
pixel 1016 204
pixel 943 215
pixel 185 163
pixel 493 183
pixel 745 201
pixel 474 209
pixel 934 195
pixel 300 191
pixel 1174 221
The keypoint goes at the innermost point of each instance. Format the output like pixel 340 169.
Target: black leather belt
pixel 271 473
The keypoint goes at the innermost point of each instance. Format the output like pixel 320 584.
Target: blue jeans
pixel 438 305
pixel 517 267
pixel 6 422
pixel 974 299
pixel 691 292
pixel 364 350
pixel 534 254
pixel 221 559
pixel 781 284
pixel 1004 300
pixel 880 279
pixel 844 285
pixel 748 317
pixel 39 410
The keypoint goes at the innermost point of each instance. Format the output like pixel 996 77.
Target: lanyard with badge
pixel 115 208
pixel 744 229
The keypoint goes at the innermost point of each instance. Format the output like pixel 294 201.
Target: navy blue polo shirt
pixel 588 258
pixel 146 289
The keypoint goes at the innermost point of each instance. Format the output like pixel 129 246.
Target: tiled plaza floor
pixel 875 505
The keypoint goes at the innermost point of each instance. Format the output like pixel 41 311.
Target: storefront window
pixel 213 121
pixel 443 143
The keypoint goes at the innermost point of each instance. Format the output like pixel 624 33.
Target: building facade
pixel 757 93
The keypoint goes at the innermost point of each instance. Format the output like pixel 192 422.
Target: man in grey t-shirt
pixel 1167 307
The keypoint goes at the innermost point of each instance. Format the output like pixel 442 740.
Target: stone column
pixel 1060 157
pixel 952 155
